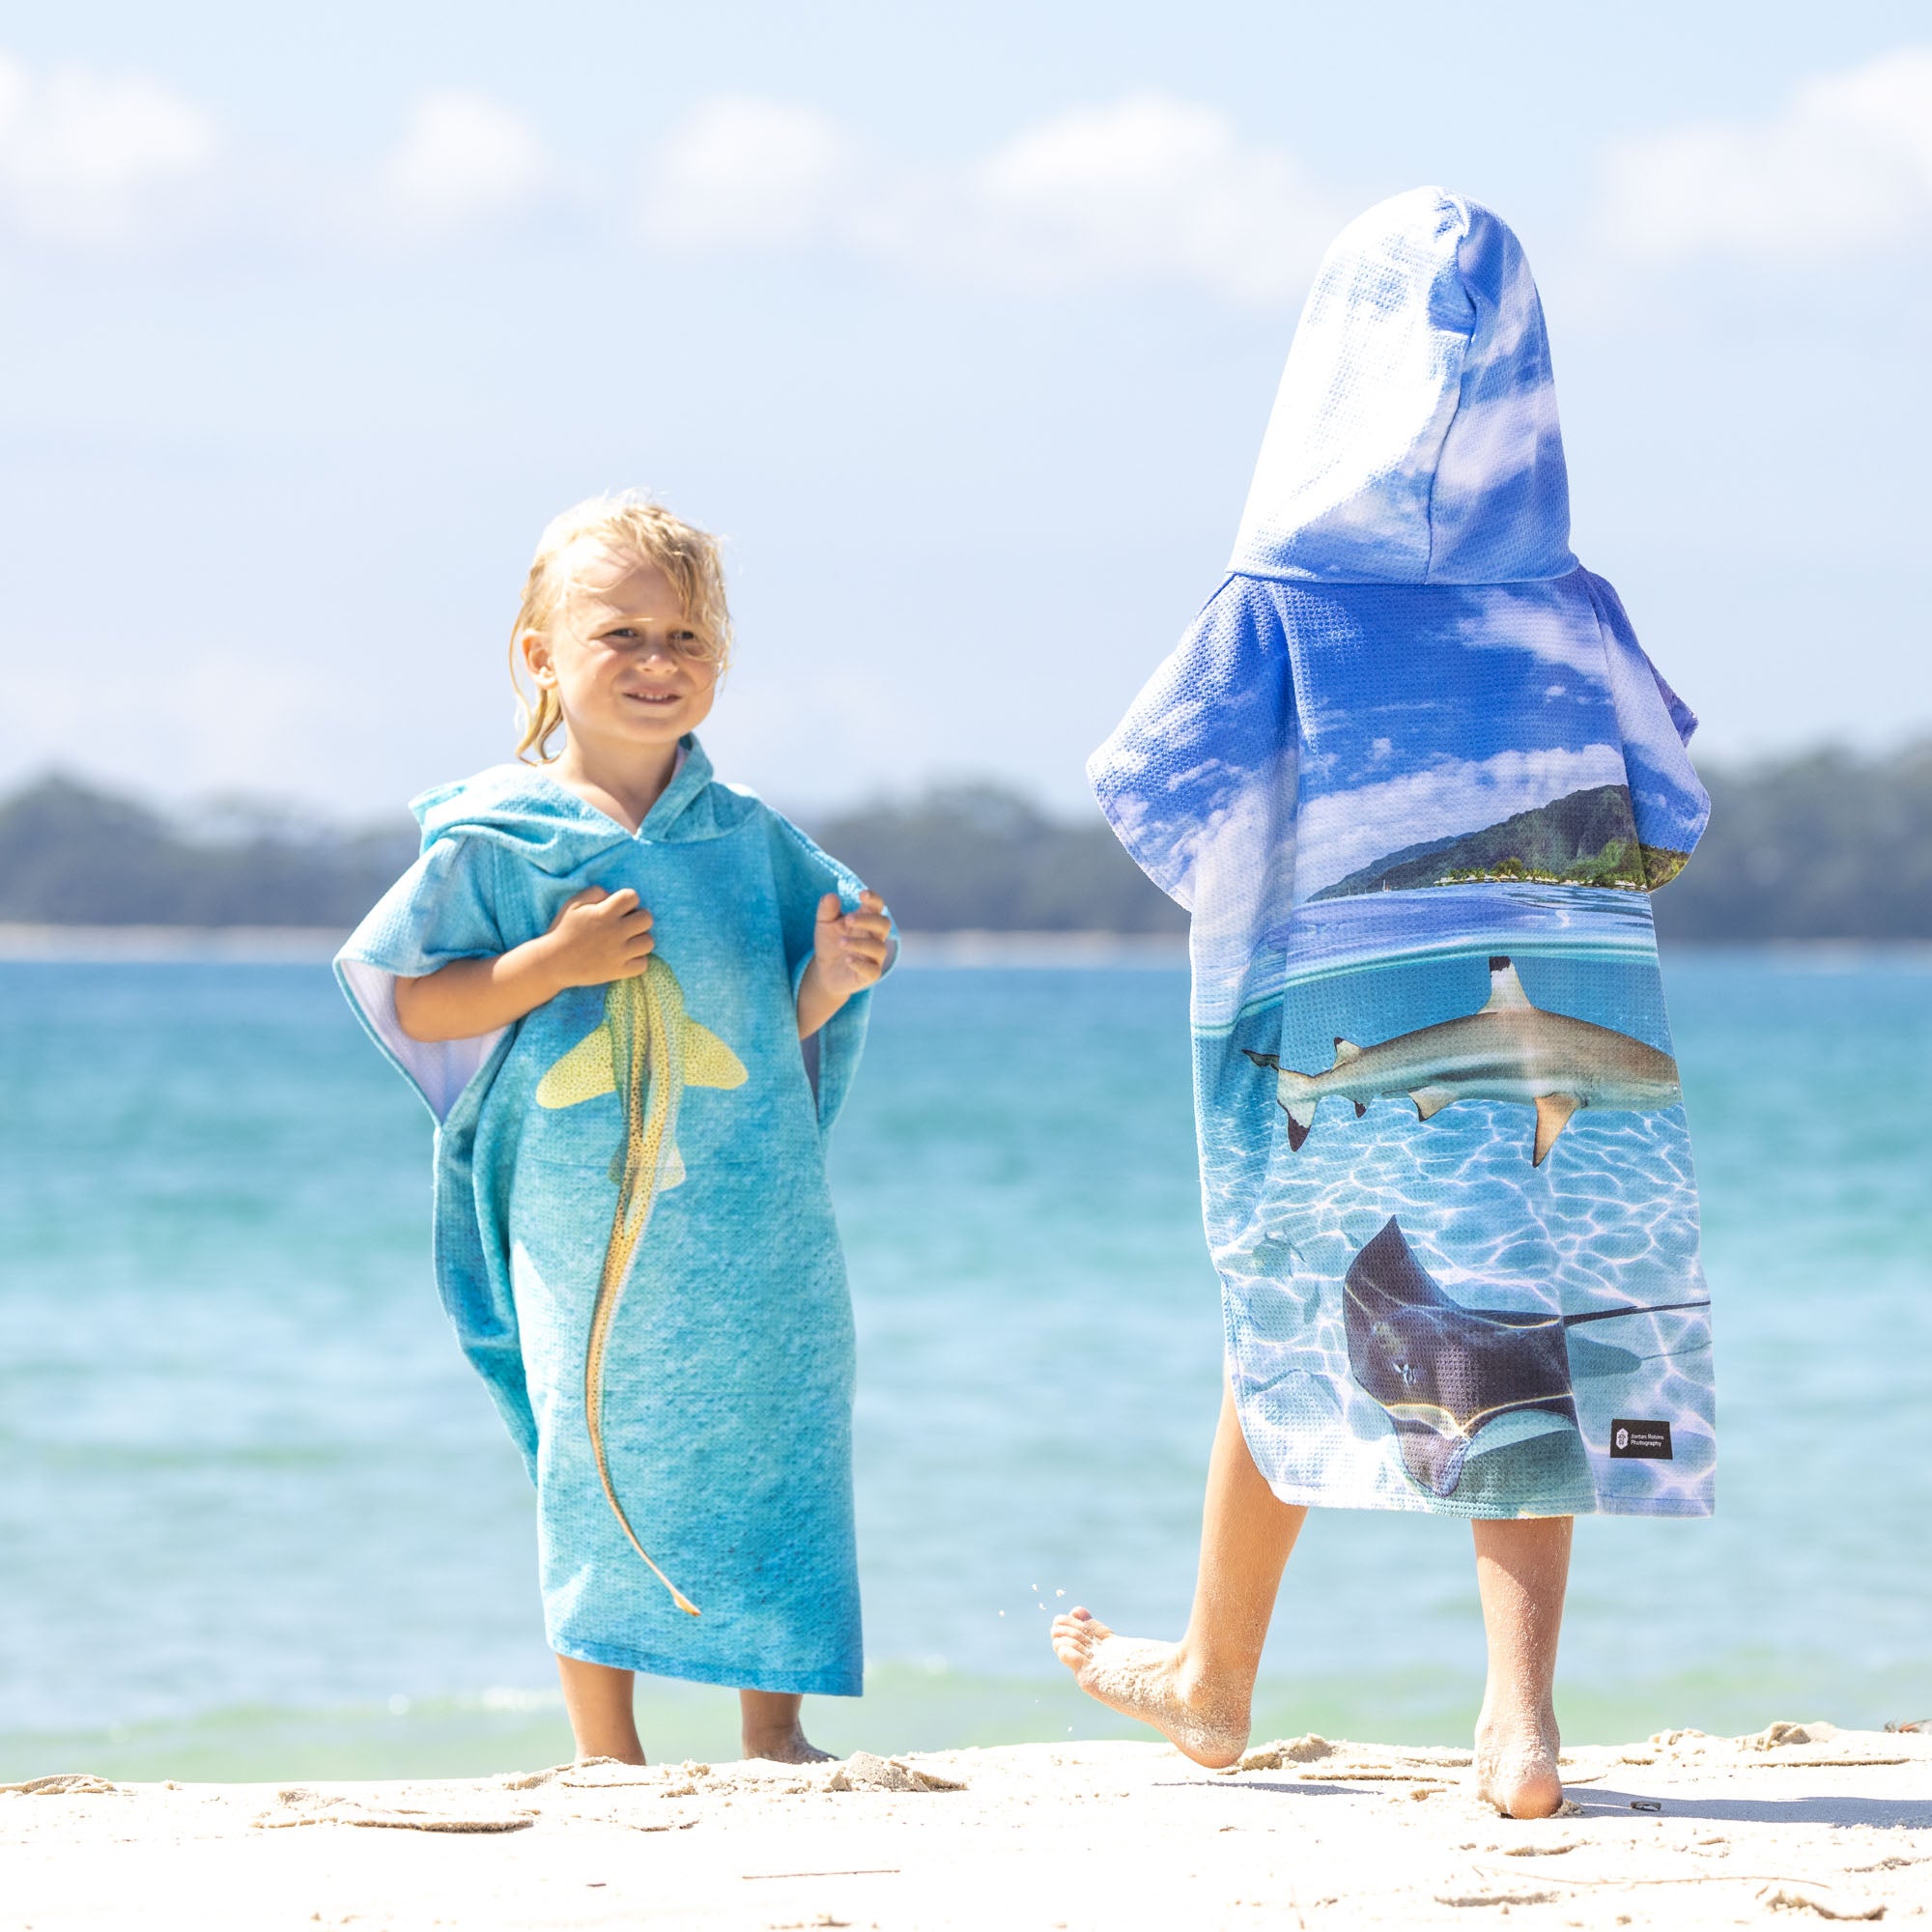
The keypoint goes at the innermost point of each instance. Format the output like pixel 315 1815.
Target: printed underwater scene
pixel 1465 1256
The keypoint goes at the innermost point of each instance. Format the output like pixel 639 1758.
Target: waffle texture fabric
pixel 636 1173
pixel 1414 778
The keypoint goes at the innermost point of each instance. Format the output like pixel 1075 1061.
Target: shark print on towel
pixel 1506 1050
pixel 647 1051
pixel 1414 779
pixel 634 1233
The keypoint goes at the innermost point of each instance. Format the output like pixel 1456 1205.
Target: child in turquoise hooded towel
pixel 633 998
pixel 1413 779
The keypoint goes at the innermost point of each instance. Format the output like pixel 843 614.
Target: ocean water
pixel 1332 935
pixel 258 1518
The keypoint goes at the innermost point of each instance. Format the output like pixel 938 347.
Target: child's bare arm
pixel 848 954
pixel 597 937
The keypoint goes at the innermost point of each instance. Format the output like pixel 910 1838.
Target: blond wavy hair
pixel 631 528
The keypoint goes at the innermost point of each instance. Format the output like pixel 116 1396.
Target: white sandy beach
pixel 1793 1826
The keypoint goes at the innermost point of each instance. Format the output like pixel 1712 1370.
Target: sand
pixel 1795 1827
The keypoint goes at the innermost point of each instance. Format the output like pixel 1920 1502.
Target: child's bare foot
pixel 1147 1680
pixel 1516 1767
pixel 769 1727
pixel 788 1746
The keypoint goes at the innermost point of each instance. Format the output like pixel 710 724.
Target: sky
pixel 961 325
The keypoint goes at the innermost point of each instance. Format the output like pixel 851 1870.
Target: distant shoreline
pixel 304 944
pixel 308 945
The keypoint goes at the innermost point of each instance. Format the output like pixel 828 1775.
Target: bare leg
pixel 598 1699
pixel 1521 1570
pixel 769 1726
pixel 1200 1691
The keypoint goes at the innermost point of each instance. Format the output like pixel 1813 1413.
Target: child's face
pixel 628 667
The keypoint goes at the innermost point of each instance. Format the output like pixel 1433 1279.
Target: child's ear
pixel 534 648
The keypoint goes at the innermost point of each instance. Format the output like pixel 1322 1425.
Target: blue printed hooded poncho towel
pixel 634 1234
pixel 1413 777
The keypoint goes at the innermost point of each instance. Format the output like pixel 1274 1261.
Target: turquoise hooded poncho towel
pixel 633 1232
pixel 1413 778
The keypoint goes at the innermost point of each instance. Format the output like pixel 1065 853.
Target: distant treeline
pixel 70 854
pixel 1827 845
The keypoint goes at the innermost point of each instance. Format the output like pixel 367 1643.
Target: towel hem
pixel 830 1683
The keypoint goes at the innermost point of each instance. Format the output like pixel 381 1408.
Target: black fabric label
pixel 1650 1441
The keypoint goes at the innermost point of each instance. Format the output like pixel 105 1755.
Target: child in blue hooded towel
pixel 1413 778
pixel 633 998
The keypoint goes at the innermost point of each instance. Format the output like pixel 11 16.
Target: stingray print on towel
pixel 1442 1371
pixel 647 1050
pixel 1413 779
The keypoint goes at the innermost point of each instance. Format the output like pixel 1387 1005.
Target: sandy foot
pixel 1143 1679
pixel 1515 1769
pixel 790 1746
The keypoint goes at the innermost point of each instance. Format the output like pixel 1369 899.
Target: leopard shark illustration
pixel 647 1050
pixel 1507 1050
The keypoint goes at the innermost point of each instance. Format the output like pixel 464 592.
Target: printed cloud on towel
pixel 1441 741
pixel 1354 831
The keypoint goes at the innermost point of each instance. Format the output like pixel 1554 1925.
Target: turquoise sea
pixel 259 1520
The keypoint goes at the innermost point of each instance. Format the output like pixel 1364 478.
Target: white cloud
pixel 464 160
pixel 1844 167
pixel 743 172
pixel 1148 189
pixel 92 159
pixel 1152 190
pixel 1343 831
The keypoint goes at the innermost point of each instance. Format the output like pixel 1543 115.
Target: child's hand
pixel 598 937
pixel 848 951
pixel 848 954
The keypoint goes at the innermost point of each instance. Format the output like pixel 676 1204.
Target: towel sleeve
pixel 1197 780
pixel 442 909
pixel 1667 799
pixel 446 908
pixel 802 875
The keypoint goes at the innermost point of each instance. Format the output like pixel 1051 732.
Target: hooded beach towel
pixel 633 1235
pixel 1413 778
